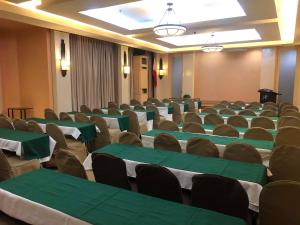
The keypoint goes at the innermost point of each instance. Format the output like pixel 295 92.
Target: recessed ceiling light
pixel 30 4
pixel 220 37
pixel 147 13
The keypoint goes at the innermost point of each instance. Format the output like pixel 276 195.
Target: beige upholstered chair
pixel 269 113
pixel 192 117
pixel 50 115
pixel 20 124
pixel 97 111
pixel 65 116
pixel 34 127
pixel 69 164
pixel 113 105
pixel 213 119
pixel 226 112
pixel 124 106
pixel 81 118
pixel 247 112
pixel 240 103
pixel 256 104
pixel 156 119
pixel 279 203
pixel 258 133
pixel 135 102
pixel 5 123
pixel 273 104
pixel 13 166
pixel 291 113
pixel 176 112
pixel 289 107
pixel 288 136
pixel 209 111
pixel 285 163
pixel 263 122
pixel 166 142
pixel 226 130
pixel 224 102
pixel 191 105
pixel 235 107
pixel 103 138
pixel 85 109
pixel 242 152
pixel 138 108
pixel 192 127
pixel 130 138
pixel 288 121
pixel 237 121
pixel 48 110
pixel 134 125
pixel 219 106
pixel 270 107
pixel 165 100
pixel 113 111
pixel 168 125
pixel 202 147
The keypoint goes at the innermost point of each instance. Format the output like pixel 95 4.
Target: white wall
pixel 124 83
pixel 268 68
pixel 188 72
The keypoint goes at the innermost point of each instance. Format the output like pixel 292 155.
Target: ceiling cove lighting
pixel 232 36
pixel 166 26
pixel 212 46
pixel 31 4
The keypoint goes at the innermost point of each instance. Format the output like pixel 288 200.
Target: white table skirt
pixel 209 131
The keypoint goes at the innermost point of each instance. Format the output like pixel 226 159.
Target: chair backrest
pixel 226 112
pixel 247 112
pixel 192 127
pixel 235 107
pixel 289 107
pixel 166 142
pixel 202 147
pixel 113 111
pixel 165 100
pixel 158 181
pixel 20 124
pixel 226 130
pixel 85 109
pixel 103 138
pixel 191 105
pixel 237 121
pixel 130 138
pixel 192 117
pixel 56 133
pixel 269 113
pixel 224 102
pixel 213 119
pixel 65 116
pixel 270 107
pixel 288 136
pixel 242 152
pixel 176 112
pixel 220 106
pixel 51 115
pixel 256 104
pixel 124 106
pixel 263 122
pixel 279 203
pixel 135 102
pixel 285 163
pixel 221 194
pixel 168 125
pixel 258 133
pixel 138 107
pixel 80 117
pixel 156 119
pixel 110 170
pixel 5 123
pixel 291 113
pixel 6 171
pixel 288 121
pixel 68 163
pixel 113 105
pixel 34 127
pixel 273 104
pixel 48 110
pixel 159 104
pixel 209 111
pixel 97 111
pixel 240 103
pixel 134 125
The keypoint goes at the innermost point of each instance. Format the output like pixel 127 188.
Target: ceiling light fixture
pixel 212 47
pixel 166 26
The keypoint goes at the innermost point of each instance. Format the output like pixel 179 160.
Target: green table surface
pixel 268 145
pixel 35 146
pixel 183 161
pixel 87 130
pixel 101 204
pixel 246 117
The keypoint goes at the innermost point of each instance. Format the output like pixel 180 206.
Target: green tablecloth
pixel 35 146
pixel 88 131
pixel 238 170
pixel 214 138
pixel 101 204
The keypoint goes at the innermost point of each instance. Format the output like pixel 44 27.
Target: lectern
pixel 267 95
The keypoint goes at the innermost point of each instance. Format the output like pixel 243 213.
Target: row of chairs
pixel 244 112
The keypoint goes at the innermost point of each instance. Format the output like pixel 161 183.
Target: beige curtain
pixel 93 72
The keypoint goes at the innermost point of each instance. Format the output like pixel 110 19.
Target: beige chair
pixel 166 142
pixel 103 138
pixel 269 113
pixel 256 104
pixel 5 123
pixel 138 108
pixel 20 125
pixel 237 121
pixel 192 127
pixel 34 127
pixel 226 112
pixel 273 104
pixel 48 110
pixel 176 112
pixel 192 117
pixel 291 113
pixel 168 125
pixel 85 109
pixel 97 111
pixel 289 107
pixel 270 107
pixel 240 103
pixel 258 133
pixel 51 115
pixel 134 102
pixel 247 112
pixel 219 106
pixel 226 130
pixel 65 116
pixel 279 203
pixel 288 136
pixel 13 166
pixel 202 147
pixel 113 105
pixel 235 107
pixel 285 163
pixel 129 138
pixel 165 100
pixel 113 111
pixel 242 152
pixel 191 105
pixel 213 119
pixel 156 119
pixel 124 106
pixel 263 122
pixel 209 111
pixel 81 118
pixel 68 163
pixel 288 121
pixel 224 102
pixel 134 125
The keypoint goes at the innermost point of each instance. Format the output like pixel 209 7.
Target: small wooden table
pixel 21 109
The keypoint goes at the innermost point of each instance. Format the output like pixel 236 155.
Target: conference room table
pixel 164 111
pixel 84 131
pixel 27 145
pixel 120 122
pixel 257 112
pixel 184 166
pixel 49 197
pixel 263 147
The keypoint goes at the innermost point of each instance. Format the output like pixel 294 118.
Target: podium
pixel 267 95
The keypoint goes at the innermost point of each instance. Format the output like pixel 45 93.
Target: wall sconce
pixel 126 68
pixel 64 63
pixel 161 72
